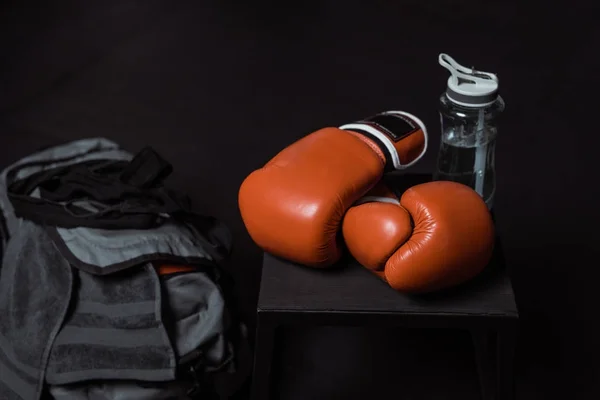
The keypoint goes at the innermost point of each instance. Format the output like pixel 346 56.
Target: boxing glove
pixel 439 234
pixel 293 206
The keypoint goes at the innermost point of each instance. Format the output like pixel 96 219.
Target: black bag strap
pixel 147 169
pixel 125 195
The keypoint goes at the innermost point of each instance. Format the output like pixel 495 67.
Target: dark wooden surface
pixel 348 287
pixel 352 288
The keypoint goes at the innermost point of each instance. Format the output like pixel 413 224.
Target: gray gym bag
pixel 86 309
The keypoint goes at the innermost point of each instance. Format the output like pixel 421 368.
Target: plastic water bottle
pixel 468 111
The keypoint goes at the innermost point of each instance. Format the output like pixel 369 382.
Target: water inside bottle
pixel 457 161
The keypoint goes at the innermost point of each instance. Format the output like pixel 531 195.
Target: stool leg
pixel 263 358
pixel 484 360
pixel 505 363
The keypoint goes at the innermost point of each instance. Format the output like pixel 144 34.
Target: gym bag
pixel 111 287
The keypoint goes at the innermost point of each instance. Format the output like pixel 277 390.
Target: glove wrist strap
pixel 393 132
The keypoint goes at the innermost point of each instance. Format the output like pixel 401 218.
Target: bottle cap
pixel 467 86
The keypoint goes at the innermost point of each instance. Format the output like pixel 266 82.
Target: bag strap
pixel 125 195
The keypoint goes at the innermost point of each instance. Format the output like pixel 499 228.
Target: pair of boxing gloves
pixel 323 194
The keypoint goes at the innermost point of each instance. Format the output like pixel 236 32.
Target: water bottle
pixel 468 111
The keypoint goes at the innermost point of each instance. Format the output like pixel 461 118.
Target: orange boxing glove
pixel 294 205
pixel 439 234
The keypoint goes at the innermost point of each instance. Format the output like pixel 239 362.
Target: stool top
pixel 348 287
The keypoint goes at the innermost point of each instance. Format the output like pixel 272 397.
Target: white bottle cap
pixel 469 87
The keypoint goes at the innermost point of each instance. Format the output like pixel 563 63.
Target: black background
pixel 218 87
